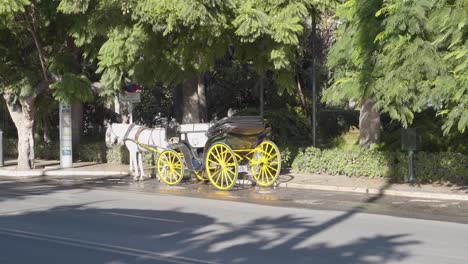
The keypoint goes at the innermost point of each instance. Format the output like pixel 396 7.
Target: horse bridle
pixel 121 140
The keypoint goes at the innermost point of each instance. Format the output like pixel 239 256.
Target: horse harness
pixel 141 145
pixel 137 135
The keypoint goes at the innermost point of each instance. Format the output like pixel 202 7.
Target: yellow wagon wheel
pixel 170 167
pixel 266 163
pixel 221 166
pixel 201 175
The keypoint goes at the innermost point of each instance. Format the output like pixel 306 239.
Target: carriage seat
pixel 239 125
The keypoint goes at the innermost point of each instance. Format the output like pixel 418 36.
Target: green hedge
pixel 92 151
pixel 10 147
pixel 429 167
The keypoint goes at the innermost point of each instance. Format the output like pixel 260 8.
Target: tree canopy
pixel 151 40
pixel 406 55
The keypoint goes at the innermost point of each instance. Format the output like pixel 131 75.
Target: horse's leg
pixel 140 161
pixel 133 161
pixel 135 164
pixel 129 148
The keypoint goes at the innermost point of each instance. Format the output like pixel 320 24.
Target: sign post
pixel 131 98
pixel 66 156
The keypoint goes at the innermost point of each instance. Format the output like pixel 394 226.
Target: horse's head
pixel 111 136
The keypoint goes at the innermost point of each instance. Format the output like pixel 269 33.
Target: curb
pixel 334 188
pixel 424 195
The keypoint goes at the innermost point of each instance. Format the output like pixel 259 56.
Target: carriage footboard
pixel 188 157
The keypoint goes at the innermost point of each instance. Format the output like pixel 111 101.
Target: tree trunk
pixel 191 107
pixel 22 114
pixel 369 124
pixel 201 90
pixel 304 105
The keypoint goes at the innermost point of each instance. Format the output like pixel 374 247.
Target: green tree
pixel 449 20
pixel 179 41
pixel 418 55
pixel 36 53
pixel 352 61
pixel 150 41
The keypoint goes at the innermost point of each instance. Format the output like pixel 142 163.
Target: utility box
pixel 410 139
pixel 411 142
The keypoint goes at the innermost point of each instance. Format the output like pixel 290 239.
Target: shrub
pixel 41 150
pixel 121 155
pixel 117 155
pixel 10 147
pixel 95 152
pixel 87 151
pixel 288 153
pixel 47 151
pixel 429 167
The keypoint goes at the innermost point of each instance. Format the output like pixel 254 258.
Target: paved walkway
pixel 374 186
pixel 287 179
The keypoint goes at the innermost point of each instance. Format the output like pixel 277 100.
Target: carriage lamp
pixel 411 142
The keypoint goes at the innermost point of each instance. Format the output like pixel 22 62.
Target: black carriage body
pixel 239 132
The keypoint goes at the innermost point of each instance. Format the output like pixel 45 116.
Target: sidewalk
pixel 286 180
pixel 373 186
pixel 52 168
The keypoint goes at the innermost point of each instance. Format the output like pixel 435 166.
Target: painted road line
pixel 145 217
pixel 1 182
pixel 101 246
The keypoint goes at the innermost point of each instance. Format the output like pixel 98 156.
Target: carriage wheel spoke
pixel 167 176
pixel 228 176
pixel 270 167
pixel 272 157
pixel 217 156
pixel 263 173
pixel 218 178
pixel 224 180
pixel 224 153
pixel 271 174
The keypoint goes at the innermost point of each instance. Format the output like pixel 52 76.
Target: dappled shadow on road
pixel 17 189
pixel 85 234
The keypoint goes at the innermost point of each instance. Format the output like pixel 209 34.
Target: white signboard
pixel 66 159
pixel 131 97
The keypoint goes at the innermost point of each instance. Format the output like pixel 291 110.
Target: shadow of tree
pixel 87 234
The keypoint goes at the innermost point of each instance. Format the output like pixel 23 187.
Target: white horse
pixel 132 136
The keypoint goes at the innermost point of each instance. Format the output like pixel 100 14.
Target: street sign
pixel 132 88
pixel 131 97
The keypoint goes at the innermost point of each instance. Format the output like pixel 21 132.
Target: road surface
pixel 117 221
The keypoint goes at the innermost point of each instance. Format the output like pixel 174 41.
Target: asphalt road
pixel 114 220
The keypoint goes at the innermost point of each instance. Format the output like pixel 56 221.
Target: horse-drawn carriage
pixel 219 152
